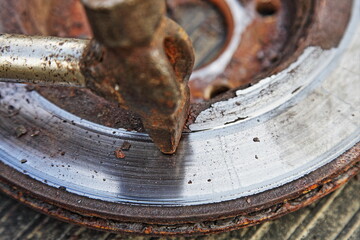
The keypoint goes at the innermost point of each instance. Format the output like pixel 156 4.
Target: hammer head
pixel 142 60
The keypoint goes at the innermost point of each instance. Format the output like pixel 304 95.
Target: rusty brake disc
pixel 285 133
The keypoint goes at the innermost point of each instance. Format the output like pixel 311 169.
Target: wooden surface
pixel 336 216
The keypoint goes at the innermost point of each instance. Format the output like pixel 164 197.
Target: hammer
pixel 138 58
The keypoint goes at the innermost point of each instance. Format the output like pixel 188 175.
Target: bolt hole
pixel 266 8
pixel 218 90
pixel 274 59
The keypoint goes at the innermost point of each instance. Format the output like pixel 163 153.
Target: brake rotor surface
pixel 249 155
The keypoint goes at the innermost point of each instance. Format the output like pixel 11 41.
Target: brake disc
pixel 249 155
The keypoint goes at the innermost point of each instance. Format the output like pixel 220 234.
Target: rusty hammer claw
pixel 142 60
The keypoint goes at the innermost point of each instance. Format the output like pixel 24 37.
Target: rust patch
pixel 119 153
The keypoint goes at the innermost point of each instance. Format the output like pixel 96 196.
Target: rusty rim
pixel 245 212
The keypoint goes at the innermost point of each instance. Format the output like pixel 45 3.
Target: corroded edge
pixel 247 211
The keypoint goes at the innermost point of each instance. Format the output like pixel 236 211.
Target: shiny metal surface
pixel 45 60
pixel 272 133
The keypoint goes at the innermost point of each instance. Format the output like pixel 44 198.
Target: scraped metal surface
pixel 271 134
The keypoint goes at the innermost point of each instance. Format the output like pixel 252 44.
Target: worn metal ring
pixel 293 133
